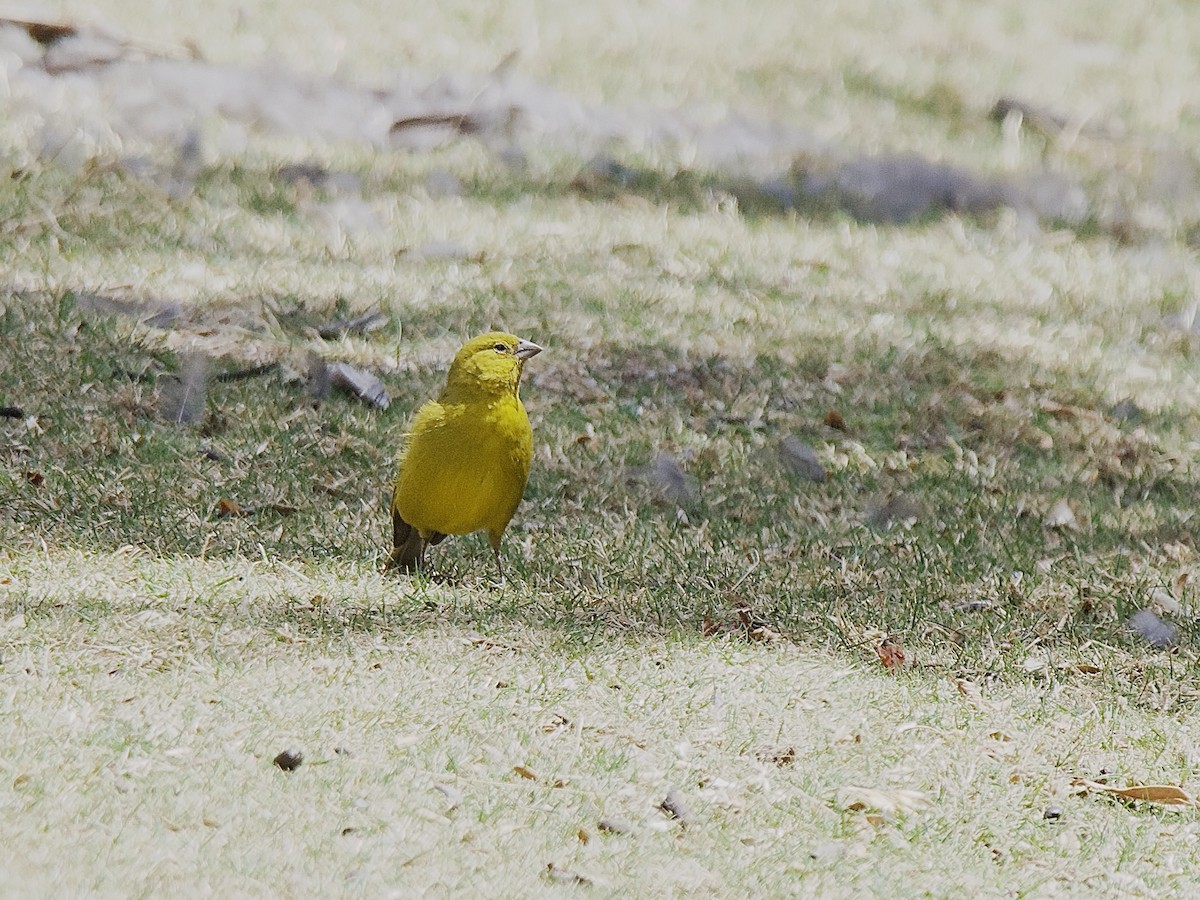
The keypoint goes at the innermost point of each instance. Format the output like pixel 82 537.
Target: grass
pixel 957 379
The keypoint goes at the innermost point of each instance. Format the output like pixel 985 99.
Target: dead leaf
pixel 525 773
pixel 588 437
pixel 227 508
pixel 1162 794
pixel 674 807
pixel 44 32
pixel 289 760
pixel 360 384
pixel 833 419
pixel 555 724
pixel 37 479
pixel 463 123
pixel 756 629
pixel 781 758
pixel 764 634
pixel 891 654
pixel 801 459
pixel 479 640
pixel 665 475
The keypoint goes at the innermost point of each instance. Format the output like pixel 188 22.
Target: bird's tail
pixel 407 545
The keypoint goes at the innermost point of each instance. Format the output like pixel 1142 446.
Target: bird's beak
pixel 526 349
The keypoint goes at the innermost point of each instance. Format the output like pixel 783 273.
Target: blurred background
pixel 1080 114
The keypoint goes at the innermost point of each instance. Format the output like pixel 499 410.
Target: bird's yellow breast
pixel 465 466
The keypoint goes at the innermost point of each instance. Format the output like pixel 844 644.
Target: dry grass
pixel 148 697
pixel 156 656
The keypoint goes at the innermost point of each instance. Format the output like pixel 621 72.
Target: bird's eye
pixel 501 348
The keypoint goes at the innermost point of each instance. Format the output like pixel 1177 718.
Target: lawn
pixel 849 549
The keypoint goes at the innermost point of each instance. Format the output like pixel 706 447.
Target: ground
pixel 852 546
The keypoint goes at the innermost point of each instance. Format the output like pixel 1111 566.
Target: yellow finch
pixel 467 457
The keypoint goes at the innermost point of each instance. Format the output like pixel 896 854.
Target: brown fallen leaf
pixel 833 419
pixel 764 634
pixel 1162 794
pixel 289 760
pixel 479 640
pixel 463 123
pixel 891 654
pixel 42 31
pixel 227 508
pixel 711 626
pixel 525 773
pixel 555 724
pixel 756 628
pixel 781 758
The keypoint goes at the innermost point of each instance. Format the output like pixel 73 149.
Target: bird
pixel 466 460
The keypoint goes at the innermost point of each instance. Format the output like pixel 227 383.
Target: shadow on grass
pixel 932 523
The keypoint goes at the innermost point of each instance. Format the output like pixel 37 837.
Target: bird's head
pixel 490 364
